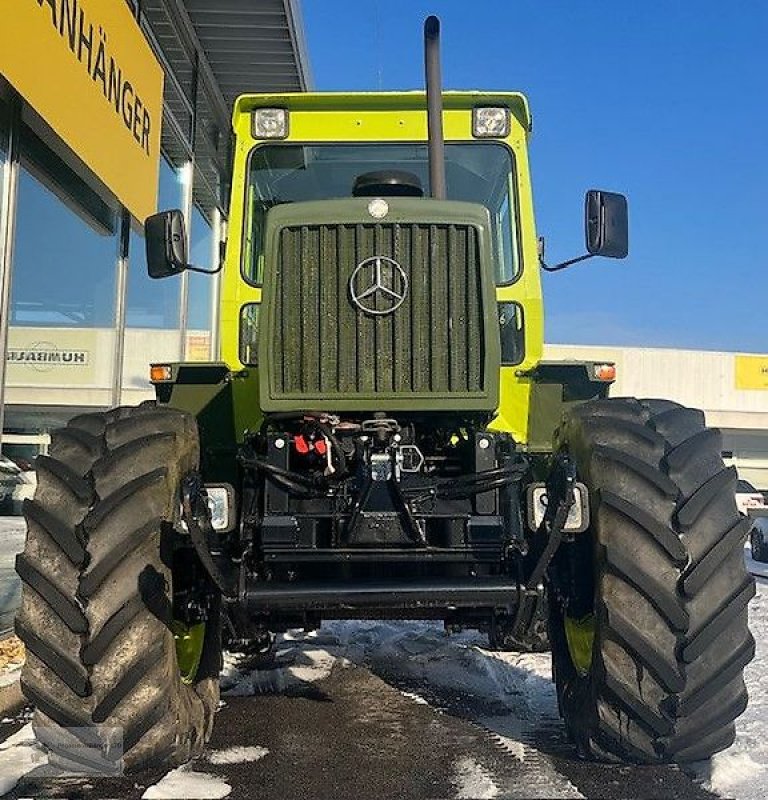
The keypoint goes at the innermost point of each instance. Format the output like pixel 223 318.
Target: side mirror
pixel 166 241
pixel 606 224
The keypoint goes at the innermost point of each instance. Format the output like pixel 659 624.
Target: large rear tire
pixel 649 668
pixel 97 582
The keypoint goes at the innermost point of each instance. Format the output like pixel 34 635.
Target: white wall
pixel 698 378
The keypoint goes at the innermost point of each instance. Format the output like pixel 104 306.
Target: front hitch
pixel 197 516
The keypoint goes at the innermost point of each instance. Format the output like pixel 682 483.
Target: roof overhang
pixel 212 52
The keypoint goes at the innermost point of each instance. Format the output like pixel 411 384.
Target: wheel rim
pixel 189 648
pixel 580 635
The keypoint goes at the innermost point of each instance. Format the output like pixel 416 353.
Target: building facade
pixel 731 389
pixel 109 111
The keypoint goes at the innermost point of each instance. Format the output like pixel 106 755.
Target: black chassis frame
pixel 408 548
pixel 280 570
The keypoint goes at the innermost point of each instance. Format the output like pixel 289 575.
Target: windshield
pixel 477 172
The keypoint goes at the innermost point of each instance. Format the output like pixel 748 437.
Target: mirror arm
pixel 204 271
pixel 564 264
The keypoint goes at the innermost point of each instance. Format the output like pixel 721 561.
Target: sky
pixel 664 101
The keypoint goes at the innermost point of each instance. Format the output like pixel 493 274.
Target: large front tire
pixel 96 611
pixel 649 669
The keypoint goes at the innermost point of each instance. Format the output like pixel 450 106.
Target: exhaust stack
pixel 435 140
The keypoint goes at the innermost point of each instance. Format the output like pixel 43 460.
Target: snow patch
pixel 19 754
pixel 294 667
pixel 728 770
pixel 473 781
pixel 237 755
pixel 187 783
pixel 417 698
pixel 423 654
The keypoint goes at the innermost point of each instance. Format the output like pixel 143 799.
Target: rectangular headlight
pixel 490 123
pixel 578 516
pixel 221 502
pixel 269 123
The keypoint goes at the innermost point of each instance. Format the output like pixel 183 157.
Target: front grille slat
pixel 431 344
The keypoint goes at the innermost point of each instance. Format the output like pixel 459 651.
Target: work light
pixel 270 123
pixel 490 123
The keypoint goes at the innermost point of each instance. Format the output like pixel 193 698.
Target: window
pixel 65 255
pixel 153 307
pixel 154 303
pixel 4 124
pixel 200 290
pixel 476 172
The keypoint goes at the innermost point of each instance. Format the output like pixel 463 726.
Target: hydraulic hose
pixel 293 482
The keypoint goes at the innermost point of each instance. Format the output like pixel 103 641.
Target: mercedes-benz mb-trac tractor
pixel 381 438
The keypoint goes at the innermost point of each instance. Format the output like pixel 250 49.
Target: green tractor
pixel 382 439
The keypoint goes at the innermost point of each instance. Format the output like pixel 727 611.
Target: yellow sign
pixel 86 68
pixel 198 347
pixel 752 372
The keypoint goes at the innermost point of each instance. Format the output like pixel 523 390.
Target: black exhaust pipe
pixel 435 140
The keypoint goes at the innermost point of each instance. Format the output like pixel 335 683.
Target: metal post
pixel 218 231
pixel 189 172
pixel 189 188
pixel 123 261
pixel 8 209
pixel 436 143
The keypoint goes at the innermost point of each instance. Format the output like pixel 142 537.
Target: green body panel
pixel 224 403
pixel 556 387
pixel 445 332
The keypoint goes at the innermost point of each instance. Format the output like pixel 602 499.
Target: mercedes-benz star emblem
pixel 378 285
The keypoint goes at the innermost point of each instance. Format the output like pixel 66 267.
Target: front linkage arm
pixel 560 499
pixel 197 517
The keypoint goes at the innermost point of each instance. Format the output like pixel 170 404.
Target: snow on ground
pixel 473 781
pixel 297 666
pixel 236 755
pixel 509 694
pixel 19 754
pixel 741 771
pixel 428 658
pixel 419 654
pixel 188 783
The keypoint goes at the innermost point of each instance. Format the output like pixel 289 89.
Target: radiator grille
pixel 325 345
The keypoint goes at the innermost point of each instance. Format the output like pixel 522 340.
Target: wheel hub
pixel 189 648
pixel 580 635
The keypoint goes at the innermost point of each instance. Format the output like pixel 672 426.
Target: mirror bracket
pixel 204 271
pixel 564 264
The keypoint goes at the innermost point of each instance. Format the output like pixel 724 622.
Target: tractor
pixel 382 438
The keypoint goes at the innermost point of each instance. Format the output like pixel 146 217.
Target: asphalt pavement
pixel 354 733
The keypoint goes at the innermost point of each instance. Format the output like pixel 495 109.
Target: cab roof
pixel 383 101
